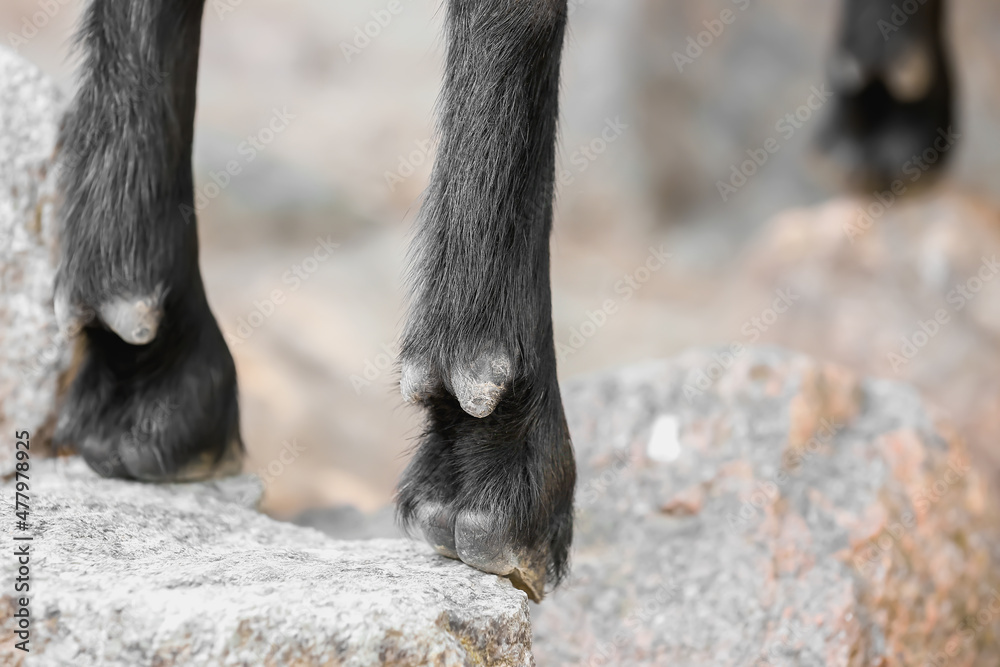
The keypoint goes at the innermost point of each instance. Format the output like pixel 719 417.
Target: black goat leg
pixel 493 478
pixel 892 106
pixel 154 397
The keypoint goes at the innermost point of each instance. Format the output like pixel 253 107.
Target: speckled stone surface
pixel 750 509
pixel 32 354
pixel 910 294
pixel 133 574
pixel 779 512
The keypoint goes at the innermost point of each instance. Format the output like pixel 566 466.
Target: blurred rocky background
pixel 331 131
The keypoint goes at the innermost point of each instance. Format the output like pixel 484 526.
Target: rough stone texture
pixel 787 514
pixel 132 574
pixel 779 513
pixel 32 354
pixel 863 285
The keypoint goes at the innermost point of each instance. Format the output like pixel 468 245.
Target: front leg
pixel 155 395
pixel 492 481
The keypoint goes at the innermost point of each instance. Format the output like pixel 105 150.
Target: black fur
pixel 877 126
pixel 125 174
pixel 166 408
pixel 480 288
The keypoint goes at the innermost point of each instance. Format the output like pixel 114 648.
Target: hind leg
pixel 154 397
pixel 892 93
pixel 492 480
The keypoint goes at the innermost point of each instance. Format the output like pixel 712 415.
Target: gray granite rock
pixel 133 574
pixel 757 508
pixel 349 523
pixel 909 294
pixel 762 509
pixel 32 353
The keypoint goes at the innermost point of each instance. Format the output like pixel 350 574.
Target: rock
pixel 909 291
pixel 133 574
pixel 32 353
pixel 776 512
pixel 347 522
pixel 735 507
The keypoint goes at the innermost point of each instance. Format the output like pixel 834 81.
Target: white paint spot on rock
pixel 664 442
